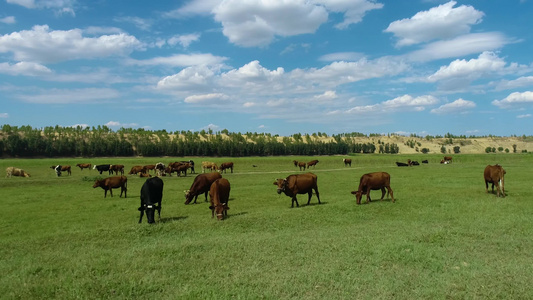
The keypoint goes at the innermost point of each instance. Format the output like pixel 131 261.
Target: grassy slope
pixel 443 238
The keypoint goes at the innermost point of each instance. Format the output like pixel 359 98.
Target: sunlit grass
pixel 445 237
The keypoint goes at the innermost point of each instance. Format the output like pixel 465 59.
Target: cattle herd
pixel 219 188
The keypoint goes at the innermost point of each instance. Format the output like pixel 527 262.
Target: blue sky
pixel 303 66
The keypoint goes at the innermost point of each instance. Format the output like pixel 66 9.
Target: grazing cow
pixel 494 174
pixel 160 169
pixel 102 168
pixel 191 163
pixel 151 196
pixel 201 185
pixel 373 181
pixel 447 160
pixel 415 163
pixel 114 182
pixel 226 165
pixel 298 184
pixel 401 164
pixel 12 171
pixel 144 174
pixel 312 163
pixel 60 169
pixel 219 196
pixel 182 169
pixel 207 165
pixel 84 166
pixel 135 169
pixel 299 164
pixel 117 169
pixel 425 161
pixel 347 161
pixel 147 168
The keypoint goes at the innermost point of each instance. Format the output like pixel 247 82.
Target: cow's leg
pixel 159 211
pixel 142 214
pixel 310 194
pixel 317 195
pixel 382 193
pixel 368 199
pixel 206 196
pixel 111 192
pixel 390 193
pixel 294 200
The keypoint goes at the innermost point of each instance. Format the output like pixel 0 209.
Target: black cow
pixel 401 164
pixel 151 196
pixel 102 168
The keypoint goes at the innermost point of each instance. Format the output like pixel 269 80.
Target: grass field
pixel 444 238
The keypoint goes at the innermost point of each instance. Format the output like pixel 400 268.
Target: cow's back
pixel 301 183
pixel 152 190
pixel 494 173
pixel 219 190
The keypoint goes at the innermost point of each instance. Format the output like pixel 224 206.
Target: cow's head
pixel 282 184
pixel 358 195
pixel 188 196
pixel 25 174
pixel 149 209
pixel 220 210
pixel 97 183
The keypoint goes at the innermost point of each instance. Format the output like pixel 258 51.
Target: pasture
pixel 445 237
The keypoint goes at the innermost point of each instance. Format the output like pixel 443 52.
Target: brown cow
pixel 226 165
pixel 298 184
pixel 494 174
pixel 144 174
pixel 116 169
pixel 312 163
pixel 219 196
pixel 114 182
pixel 446 160
pixel 84 166
pixel 66 168
pixel 201 185
pixel 12 171
pixel 347 161
pixel 299 164
pixel 136 169
pixel 147 168
pixel 373 181
pixel 207 165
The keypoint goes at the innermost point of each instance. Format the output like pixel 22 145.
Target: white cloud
pixel 460 46
pixel 4 115
pixel 342 56
pixel 184 40
pixel 24 68
pixel 457 106
pixel 402 103
pixel 60 6
pixel 215 98
pixel 516 83
pixel 486 63
pixel 74 96
pixel 354 10
pixel 181 60
pixel 142 24
pixel 515 99
pixel 118 124
pixel 8 20
pixel 523 116
pixel 441 22
pixel 44 46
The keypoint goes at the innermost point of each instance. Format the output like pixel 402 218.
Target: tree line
pixel 25 141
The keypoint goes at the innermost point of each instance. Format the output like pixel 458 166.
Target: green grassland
pixel 443 238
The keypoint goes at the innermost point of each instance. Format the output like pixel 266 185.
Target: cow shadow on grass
pixel 311 204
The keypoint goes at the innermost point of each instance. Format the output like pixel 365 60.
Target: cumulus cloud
pixel 515 99
pixel 402 103
pixel 487 62
pixel 60 6
pixel 4 115
pixel 184 40
pixel 513 84
pixel 24 68
pixel 256 23
pixel 41 45
pixel 441 22
pixel 455 107
pixel 117 124
pixel 215 98
pixel 8 20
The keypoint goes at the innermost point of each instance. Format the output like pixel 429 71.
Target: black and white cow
pixel 58 170
pixel 102 168
pixel 151 196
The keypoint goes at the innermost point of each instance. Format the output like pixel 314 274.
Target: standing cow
pixel 226 165
pixel 112 183
pixel 102 168
pixel 59 168
pixel 151 196
pixel 298 184
pixel 201 185
pixel 84 166
pixel 312 163
pixel 495 174
pixel 347 161
pixel 373 181
pixel 299 164
pixel 219 197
